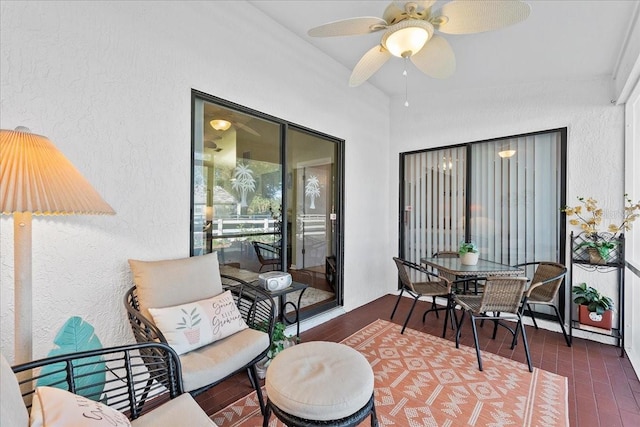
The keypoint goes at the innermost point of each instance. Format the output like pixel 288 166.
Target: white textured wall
pixel 110 84
pixel 595 138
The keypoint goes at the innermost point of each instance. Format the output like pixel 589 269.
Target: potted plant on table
pixel 594 309
pixel 588 216
pixel 469 253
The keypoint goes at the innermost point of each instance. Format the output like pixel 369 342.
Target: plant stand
pixel 589 259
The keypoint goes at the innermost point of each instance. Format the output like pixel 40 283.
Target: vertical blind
pixel 514 201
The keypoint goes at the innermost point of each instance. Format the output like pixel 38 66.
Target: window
pixel 267 195
pixel 503 194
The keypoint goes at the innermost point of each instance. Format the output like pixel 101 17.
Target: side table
pixel 283 303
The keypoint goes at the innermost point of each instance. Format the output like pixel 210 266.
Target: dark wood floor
pixel 603 387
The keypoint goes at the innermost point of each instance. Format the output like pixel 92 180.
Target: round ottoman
pixel 320 383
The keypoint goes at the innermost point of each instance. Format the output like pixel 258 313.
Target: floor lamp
pixel 37 179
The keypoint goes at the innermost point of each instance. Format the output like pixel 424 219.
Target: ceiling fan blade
pixel 436 59
pixel 246 128
pixel 349 27
pixel 369 64
pixel 468 17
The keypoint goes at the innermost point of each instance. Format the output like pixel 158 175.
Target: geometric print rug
pixel 424 380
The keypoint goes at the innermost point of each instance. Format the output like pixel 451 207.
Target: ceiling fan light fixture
pixel 407 37
pixel 220 124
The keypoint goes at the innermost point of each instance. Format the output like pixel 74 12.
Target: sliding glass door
pixel 267 196
pixel 503 194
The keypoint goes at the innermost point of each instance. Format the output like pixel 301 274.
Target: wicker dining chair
pixel 544 289
pixel 501 299
pixel 420 282
pixel 268 255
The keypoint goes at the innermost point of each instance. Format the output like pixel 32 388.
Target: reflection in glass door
pixel 266 198
pixel 312 167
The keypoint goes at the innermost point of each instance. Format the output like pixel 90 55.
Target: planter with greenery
pixel 469 253
pixel 597 246
pixel 279 341
pixel 594 309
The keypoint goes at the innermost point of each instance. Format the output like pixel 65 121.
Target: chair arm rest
pixel 144 330
pixel 255 304
pixel 122 377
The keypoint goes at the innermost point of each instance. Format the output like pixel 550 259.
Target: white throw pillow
pixel 193 325
pixel 54 407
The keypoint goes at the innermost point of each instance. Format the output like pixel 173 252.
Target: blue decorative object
pixel 74 336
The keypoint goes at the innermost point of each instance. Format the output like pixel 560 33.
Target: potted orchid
pixel 588 216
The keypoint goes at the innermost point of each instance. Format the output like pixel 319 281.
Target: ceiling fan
pixel 409 32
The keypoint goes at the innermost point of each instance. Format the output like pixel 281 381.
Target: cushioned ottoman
pixel 320 383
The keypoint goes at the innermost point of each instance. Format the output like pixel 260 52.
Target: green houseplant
pixel 279 341
pixel 594 309
pixel 468 252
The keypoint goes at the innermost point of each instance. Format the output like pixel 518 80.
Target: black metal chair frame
pixel 131 373
pixel 255 305
pixel 408 286
pixel 352 420
pixel 550 295
pixel 496 317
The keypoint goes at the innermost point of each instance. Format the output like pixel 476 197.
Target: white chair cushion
pixel 215 361
pixel 13 411
pixel 177 281
pixel 319 381
pixel 193 325
pixel 182 410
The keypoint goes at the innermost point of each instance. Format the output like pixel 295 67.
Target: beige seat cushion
pixel 215 361
pixel 319 381
pixel 176 281
pixel 181 411
pixel 13 412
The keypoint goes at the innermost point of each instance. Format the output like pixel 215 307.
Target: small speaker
pixel 274 280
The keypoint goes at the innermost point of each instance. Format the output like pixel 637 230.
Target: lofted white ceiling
pixel 560 40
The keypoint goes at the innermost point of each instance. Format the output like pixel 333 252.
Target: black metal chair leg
pixel 415 300
pixel 475 340
pixel 446 318
pixel 561 321
pixel 495 326
pixel 434 307
pixel 266 416
pixel 526 344
pixel 533 318
pixel 397 302
pixel 253 378
pixel 459 328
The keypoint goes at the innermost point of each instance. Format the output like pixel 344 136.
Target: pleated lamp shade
pixel 36 177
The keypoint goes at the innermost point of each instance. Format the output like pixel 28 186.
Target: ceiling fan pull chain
pixel 406 83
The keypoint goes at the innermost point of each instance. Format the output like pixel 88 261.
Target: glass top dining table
pixel 483 268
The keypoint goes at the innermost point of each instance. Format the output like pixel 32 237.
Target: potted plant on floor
pixel 279 341
pixel 469 253
pixel 594 309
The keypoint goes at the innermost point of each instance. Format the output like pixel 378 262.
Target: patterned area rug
pixel 423 380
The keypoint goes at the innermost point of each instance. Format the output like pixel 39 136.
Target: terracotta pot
pixel 589 318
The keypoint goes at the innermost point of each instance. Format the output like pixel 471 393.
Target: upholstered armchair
pixel 215 323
